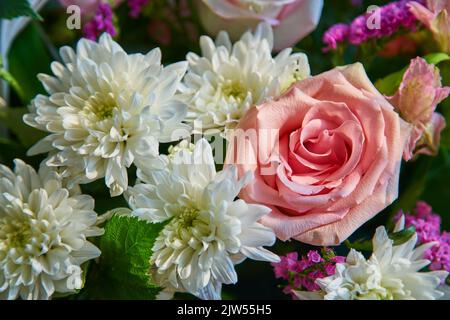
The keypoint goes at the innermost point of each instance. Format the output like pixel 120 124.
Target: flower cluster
pixel 43 233
pixel 335 35
pixel 379 23
pixel 393 272
pixel 208 230
pixel 428 228
pixel 101 22
pixel 107 110
pixel 228 79
pixel 302 274
pixel 308 158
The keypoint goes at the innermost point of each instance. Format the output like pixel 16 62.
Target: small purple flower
pixel 335 35
pixel 358 31
pixel 101 22
pixel 302 274
pixel 338 259
pixel 314 256
pixel 136 7
pixel 330 269
pixel 382 22
pixel 428 229
pixel 285 266
pixel 303 265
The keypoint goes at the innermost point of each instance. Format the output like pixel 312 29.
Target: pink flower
pixel 314 256
pixel 393 16
pixel 428 229
pixel 335 35
pixel 101 22
pixel 325 156
pixel 416 100
pixel 434 15
pixel 286 265
pixel 88 7
pixel 292 20
pixel 330 269
pixel 426 223
pixel 302 275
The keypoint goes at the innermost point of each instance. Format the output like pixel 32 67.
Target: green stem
pixel 8 77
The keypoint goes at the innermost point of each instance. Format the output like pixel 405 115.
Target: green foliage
pixel 123 269
pixel 12 119
pixel 27 58
pixel 10 9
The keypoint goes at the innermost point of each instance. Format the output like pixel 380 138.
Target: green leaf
pixel 436 58
pixel 390 84
pixel 12 119
pixel 10 9
pixel 27 58
pixel 399 238
pixel 123 269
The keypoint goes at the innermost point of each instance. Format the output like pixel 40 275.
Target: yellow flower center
pixel 254 6
pixel 234 89
pixel 186 218
pixel 15 233
pixel 101 106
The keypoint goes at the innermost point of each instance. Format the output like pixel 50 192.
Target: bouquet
pixel 227 149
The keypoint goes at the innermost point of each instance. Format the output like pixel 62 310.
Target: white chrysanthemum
pixel 43 231
pixel 391 273
pixel 208 231
pixel 106 110
pixel 227 80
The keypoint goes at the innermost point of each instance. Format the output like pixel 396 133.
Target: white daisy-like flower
pixel 208 231
pixel 106 110
pixel 227 80
pixel 43 234
pixel 391 273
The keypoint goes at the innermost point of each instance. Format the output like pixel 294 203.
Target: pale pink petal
pixel 416 100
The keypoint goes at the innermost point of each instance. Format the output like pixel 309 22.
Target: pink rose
pixel 291 20
pixel 335 160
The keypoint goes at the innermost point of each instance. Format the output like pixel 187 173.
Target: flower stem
pixel 8 77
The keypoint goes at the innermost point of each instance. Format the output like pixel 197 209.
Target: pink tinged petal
pixel 368 140
pixel 422 14
pixel 429 144
pixel 419 94
pixel 302 17
pixel 440 28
